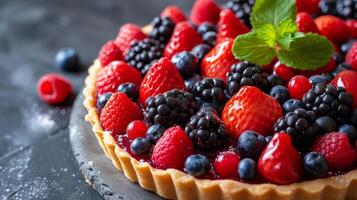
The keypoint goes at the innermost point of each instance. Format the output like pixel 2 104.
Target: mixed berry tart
pixel 247 100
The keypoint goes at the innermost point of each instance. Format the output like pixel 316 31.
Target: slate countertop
pixel 36 160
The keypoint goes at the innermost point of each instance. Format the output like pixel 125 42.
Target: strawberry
pixel 175 13
pixel 348 80
pixel 251 109
pixel 280 162
pixel 116 73
pixel 162 76
pixel 184 38
pixel 309 6
pixel 306 23
pixel 172 149
pixel 108 53
pixel 118 113
pixel 333 28
pixel 337 150
pixel 128 33
pixel 54 88
pixel 351 56
pixel 352 25
pixel 230 26
pixel 205 11
pixel 219 60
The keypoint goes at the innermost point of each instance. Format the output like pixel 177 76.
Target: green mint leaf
pixel 305 51
pixel 249 47
pixel 286 26
pixel 267 33
pixel 272 12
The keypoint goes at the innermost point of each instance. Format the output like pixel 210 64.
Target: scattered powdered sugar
pixel 39 121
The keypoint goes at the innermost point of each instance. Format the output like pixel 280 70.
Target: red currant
pixel 285 72
pixel 54 88
pixel 298 86
pixel 136 129
pixel 226 164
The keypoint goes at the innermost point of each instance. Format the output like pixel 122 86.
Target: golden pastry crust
pixel 175 184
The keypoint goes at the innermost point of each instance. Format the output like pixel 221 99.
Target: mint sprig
pixel 275 34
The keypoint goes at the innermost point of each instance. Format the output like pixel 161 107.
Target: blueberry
pixel 317 79
pixel 315 165
pixel 345 47
pixel 130 89
pixel 275 80
pixel 186 63
pixel 103 99
pixel 154 133
pixel 251 144
pixel 247 169
pixel 206 27
pixel 140 146
pixel 200 51
pixel 292 104
pixel 67 59
pixel 280 93
pixel 210 38
pixel 350 130
pixel 326 124
pixel 197 165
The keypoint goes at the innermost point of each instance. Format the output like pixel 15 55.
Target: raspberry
pixel 162 28
pixel 128 33
pixel 172 107
pixel 242 9
pixel 226 164
pixel 108 53
pixel 206 131
pixel 298 86
pixel 337 150
pixel 136 129
pixel 118 113
pixel 142 54
pixel 54 88
pixel 116 73
pixel 169 152
pixel 246 74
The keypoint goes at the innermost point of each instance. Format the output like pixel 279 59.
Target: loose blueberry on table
pixel 229 93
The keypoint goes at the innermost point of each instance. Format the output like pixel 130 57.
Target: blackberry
pixel 172 107
pixel 275 80
pixel 328 7
pixel 246 73
pixel 347 8
pixel 142 54
pixel 206 130
pixel 162 28
pixel 301 127
pixel 242 9
pixel 328 100
pixel 210 91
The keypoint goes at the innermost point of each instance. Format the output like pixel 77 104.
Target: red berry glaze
pixel 162 76
pixel 298 86
pixel 175 13
pixel 116 73
pixel 205 11
pixel 219 60
pixel 229 26
pixel 306 23
pixel 351 57
pixel 280 163
pixel 172 149
pixel 337 150
pixel 108 53
pixel 348 80
pixel 118 113
pixel 244 112
pixel 285 72
pixel 54 88
pixel 136 129
pixel 184 38
pixel 128 33
pixel 226 164
pixel 333 28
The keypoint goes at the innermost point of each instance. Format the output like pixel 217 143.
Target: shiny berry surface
pixel 197 165
pixel 140 146
pixel 136 129
pixel 226 164
pixel 315 165
pixel 286 73
pixel 298 86
pixel 247 169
